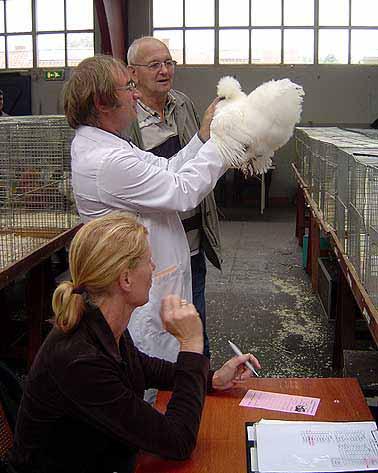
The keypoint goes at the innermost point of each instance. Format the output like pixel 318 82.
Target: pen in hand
pixel 237 352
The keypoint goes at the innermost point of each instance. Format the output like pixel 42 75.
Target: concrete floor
pixel 263 301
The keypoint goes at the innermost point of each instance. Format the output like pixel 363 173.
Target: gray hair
pixel 133 50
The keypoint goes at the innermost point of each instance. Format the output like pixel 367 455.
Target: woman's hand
pixel 234 372
pixel 181 319
pixel 204 132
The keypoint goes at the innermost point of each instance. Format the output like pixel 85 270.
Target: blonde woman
pixel 83 408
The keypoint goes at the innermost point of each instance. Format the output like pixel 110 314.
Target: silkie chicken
pixel 248 129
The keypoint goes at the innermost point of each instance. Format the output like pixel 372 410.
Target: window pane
pixel 173 39
pixel 334 13
pixel 233 46
pixel 1 16
pixel 192 18
pixel 79 46
pixel 266 46
pixel 298 47
pixel 50 50
pixel 47 18
pixel 364 47
pixel 298 12
pixel 364 13
pixel 20 51
pixel 333 47
pixel 199 47
pixel 2 52
pixel 19 16
pixel 167 13
pixel 233 13
pixel 266 13
pixel 79 14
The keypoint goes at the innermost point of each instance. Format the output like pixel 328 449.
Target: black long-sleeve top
pixel 83 402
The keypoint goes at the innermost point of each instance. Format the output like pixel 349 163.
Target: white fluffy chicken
pixel 248 129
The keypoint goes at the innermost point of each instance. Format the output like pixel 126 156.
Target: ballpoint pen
pixel 237 352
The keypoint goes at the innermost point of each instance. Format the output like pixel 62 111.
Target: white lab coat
pixel 108 174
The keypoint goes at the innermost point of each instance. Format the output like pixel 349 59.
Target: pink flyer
pixel 280 402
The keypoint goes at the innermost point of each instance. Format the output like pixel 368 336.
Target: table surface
pixel 221 446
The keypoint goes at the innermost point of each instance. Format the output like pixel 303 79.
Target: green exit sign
pixel 54 75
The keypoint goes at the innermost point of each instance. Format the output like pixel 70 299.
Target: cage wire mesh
pixel 357 241
pixel 36 200
pixel 316 171
pixel 299 152
pixel 329 184
pixel 342 195
pixel 303 154
pixel 372 250
pixel 358 215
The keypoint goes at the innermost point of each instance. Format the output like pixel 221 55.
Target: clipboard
pixel 250 448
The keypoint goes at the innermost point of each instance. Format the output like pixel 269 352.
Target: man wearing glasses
pixel 167 120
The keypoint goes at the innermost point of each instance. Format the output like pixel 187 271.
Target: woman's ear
pixel 125 281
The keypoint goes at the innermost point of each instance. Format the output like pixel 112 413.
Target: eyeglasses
pixel 156 65
pixel 131 85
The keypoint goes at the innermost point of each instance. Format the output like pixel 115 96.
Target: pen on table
pixel 237 352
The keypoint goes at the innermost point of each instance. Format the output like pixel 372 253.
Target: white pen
pixel 237 352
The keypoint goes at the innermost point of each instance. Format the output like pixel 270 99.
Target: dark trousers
pixel 198 265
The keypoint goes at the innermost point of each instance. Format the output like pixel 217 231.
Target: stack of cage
pixel 343 181
pixel 36 201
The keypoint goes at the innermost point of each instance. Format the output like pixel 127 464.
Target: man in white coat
pixel 110 173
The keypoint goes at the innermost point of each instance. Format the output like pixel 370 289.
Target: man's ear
pixel 100 107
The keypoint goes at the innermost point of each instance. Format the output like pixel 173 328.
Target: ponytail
pixel 68 306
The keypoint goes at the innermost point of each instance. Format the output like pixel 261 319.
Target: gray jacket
pixel 187 125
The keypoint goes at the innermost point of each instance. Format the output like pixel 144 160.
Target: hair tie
pixel 78 290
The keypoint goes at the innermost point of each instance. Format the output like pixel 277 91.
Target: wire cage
pixel 372 250
pixel 36 200
pixel 317 170
pixel 328 182
pixel 371 282
pixel 358 213
pixel 304 153
pixel 299 151
pixel 357 241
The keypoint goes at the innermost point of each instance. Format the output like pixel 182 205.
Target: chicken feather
pixel 248 129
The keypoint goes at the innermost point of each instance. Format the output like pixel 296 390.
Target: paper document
pixel 280 402
pixel 292 447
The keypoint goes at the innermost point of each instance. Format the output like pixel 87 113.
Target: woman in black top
pixel 83 408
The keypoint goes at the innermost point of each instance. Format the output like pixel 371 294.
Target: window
pixel 268 31
pixel 45 33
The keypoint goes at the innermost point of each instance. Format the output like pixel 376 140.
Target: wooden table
pixel 221 442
